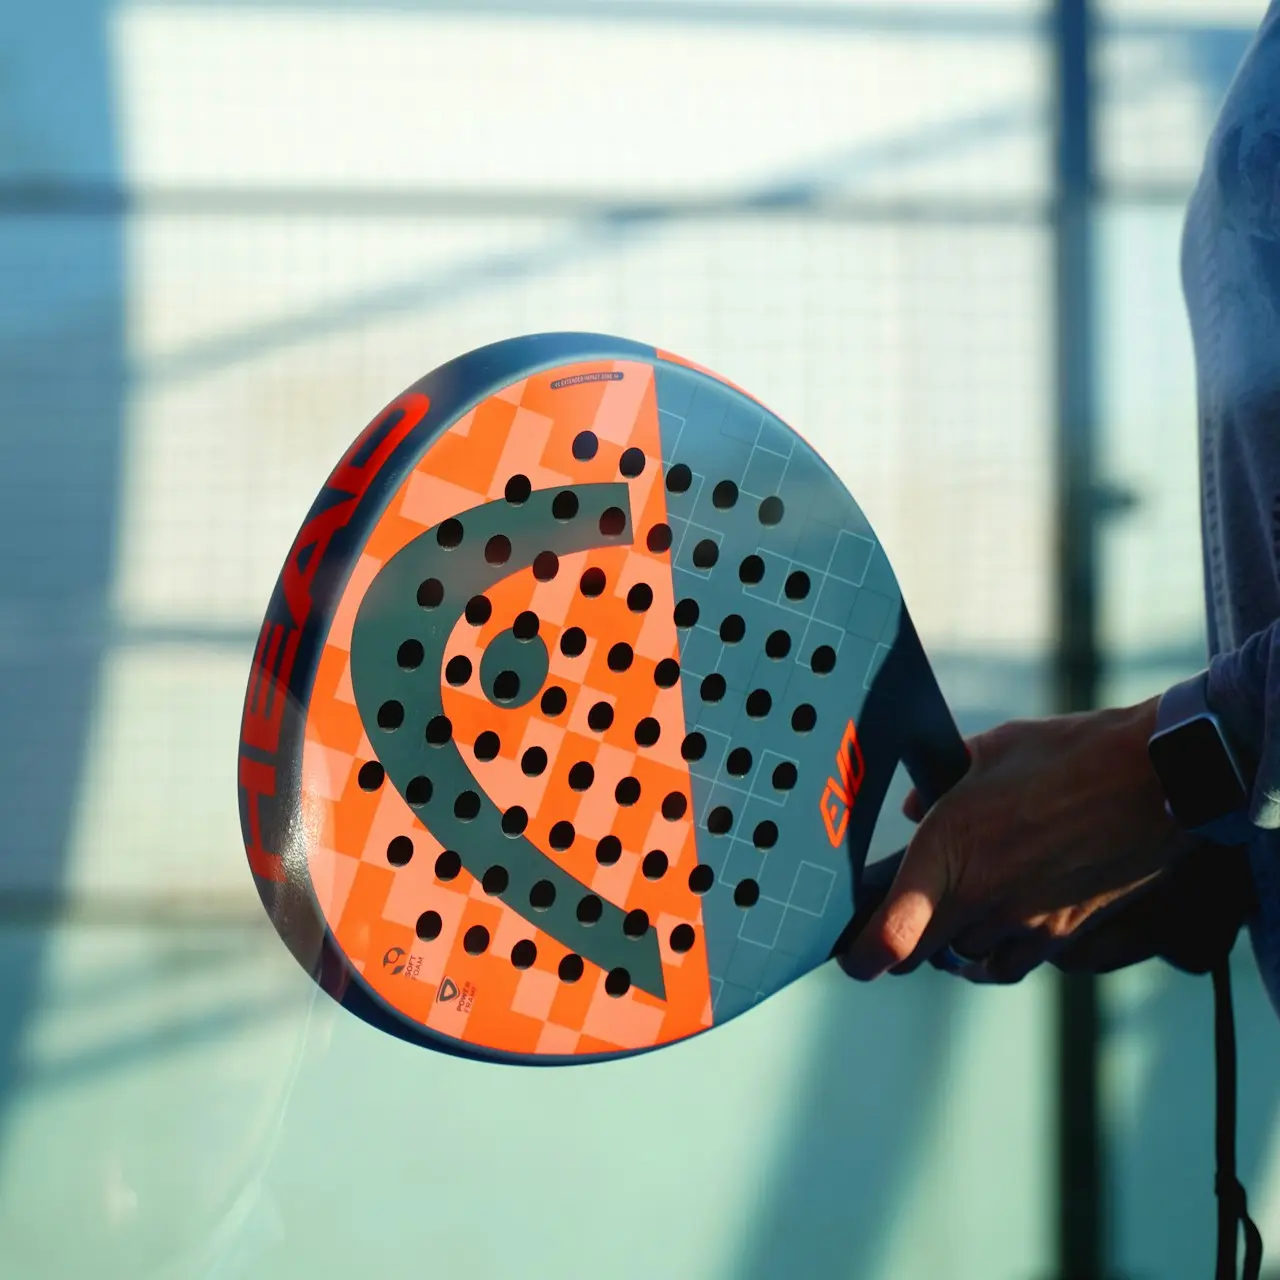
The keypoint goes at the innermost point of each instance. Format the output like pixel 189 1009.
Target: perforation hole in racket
pixel 410 654
pixel 658 539
pixel 564 506
pixel 631 464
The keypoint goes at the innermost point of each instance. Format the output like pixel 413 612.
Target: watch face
pixel 1199 779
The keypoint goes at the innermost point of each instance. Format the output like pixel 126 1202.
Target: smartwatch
pixel 1204 786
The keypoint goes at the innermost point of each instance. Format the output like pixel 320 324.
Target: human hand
pixel 1058 821
pixel 1189 917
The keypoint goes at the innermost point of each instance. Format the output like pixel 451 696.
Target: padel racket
pixel 575 706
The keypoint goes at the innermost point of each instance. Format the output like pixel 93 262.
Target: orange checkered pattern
pixel 372 907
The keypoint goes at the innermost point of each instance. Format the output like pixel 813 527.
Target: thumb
pixel 894 932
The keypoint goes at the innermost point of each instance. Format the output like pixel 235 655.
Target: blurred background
pixel 229 233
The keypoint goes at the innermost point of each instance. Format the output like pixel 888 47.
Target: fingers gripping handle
pixel 872 889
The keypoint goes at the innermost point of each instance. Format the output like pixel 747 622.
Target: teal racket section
pixel 741 462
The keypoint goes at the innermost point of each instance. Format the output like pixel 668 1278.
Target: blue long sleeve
pixel 1244 690
pixel 1231 281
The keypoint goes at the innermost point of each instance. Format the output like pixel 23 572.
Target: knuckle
pixel 1009 971
pixel 990 743
pixel 1008 977
pixel 1010 965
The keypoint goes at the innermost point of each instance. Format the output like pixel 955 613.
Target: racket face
pixel 553 732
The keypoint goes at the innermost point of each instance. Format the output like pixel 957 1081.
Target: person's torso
pixel 1231 281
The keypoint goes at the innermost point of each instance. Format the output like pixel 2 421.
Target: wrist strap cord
pixel 1233 1206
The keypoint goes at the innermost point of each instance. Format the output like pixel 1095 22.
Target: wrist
pixel 1139 723
pixel 1127 785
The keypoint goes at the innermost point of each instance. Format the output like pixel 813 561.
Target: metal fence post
pixel 1080 1245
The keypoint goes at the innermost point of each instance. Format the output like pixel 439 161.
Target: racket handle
pixel 935 767
pixel 935 764
pixel 936 758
